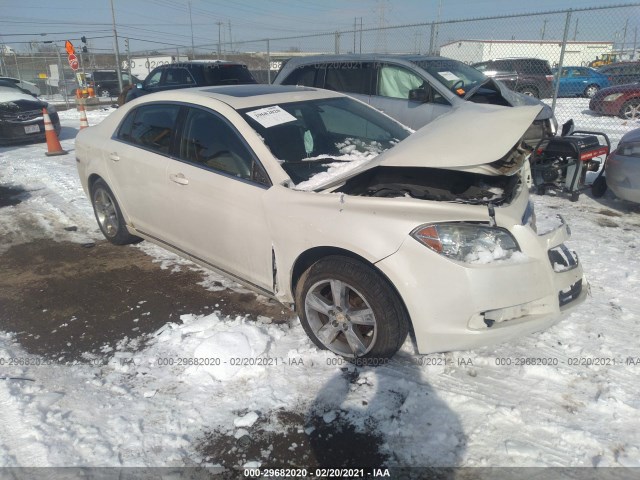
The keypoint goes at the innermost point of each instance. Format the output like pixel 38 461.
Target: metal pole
pixel 17 68
pixel 219 40
pixel 64 80
pixel 3 68
pixel 268 63
pixel 115 42
pixel 354 34
pixel 624 38
pixel 129 62
pixel 432 38
pixel 360 34
pixel 567 25
pixel 193 48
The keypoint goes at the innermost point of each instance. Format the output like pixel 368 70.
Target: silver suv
pixel 413 89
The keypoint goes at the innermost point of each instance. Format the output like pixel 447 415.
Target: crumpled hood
pixel 516 99
pixel 468 138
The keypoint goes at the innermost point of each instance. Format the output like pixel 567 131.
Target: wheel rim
pixel 106 212
pixel 632 111
pixel 341 318
pixel 591 91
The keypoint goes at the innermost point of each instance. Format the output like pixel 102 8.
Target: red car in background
pixel 620 100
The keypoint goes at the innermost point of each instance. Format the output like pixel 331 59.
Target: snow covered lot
pixel 564 397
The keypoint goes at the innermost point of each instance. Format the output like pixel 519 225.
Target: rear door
pixel 137 162
pixel 353 78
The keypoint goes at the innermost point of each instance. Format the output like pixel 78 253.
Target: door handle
pixel 114 156
pixel 179 178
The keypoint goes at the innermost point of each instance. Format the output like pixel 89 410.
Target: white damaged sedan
pixel 329 206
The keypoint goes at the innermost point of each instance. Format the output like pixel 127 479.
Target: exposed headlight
pixel 466 242
pixel 612 98
pixel 631 149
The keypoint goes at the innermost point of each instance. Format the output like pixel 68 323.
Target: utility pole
pixel 193 48
pixel 126 44
pixel 230 41
pixel 624 37
pixel 115 42
pixel 354 33
pixel 219 38
pixel 575 30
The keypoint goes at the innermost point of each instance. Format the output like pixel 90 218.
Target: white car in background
pixel 329 206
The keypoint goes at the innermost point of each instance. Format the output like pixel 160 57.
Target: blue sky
pixel 165 24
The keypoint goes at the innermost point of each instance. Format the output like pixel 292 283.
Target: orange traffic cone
pixel 84 123
pixel 53 144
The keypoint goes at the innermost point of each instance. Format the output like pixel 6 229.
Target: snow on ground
pixel 563 397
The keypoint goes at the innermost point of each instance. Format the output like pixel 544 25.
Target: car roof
pixel 192 63
pixel 364 57
pixel 243 96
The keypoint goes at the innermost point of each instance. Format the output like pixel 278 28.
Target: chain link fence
pixel 559 48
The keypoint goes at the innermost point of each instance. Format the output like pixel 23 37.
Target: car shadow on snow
pixel 361 418
pixel 12 195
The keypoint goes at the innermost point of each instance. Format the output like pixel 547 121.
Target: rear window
pixel 227 75
pixel 150 126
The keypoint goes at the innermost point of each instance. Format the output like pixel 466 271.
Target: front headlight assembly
pixel 468 243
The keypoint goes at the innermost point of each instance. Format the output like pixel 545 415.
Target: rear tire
pixel 347 307
pixel 109 215
pixel 591 90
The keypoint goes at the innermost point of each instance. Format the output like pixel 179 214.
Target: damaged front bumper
pixel 458 306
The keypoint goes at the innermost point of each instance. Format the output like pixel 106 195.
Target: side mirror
pixel 419 95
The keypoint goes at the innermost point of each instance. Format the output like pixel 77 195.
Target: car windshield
pixel 323 137
pixel 456 76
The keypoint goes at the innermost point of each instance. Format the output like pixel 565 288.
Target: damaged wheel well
pixel 311 256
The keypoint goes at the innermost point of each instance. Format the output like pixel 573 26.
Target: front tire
pixel 529 91
pixel 631 110
pixel 109 215
pixel 347 307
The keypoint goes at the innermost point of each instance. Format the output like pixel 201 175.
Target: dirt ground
pixel 63 299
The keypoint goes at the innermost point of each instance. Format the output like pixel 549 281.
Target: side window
pixel 350 77
pixel 178 76
pixel 209 141
pixel 504 67
pixel 396 82
pixel 154 79
pixel 304 76
pixel 150 127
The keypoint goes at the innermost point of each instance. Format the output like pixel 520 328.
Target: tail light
pixel 549 78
